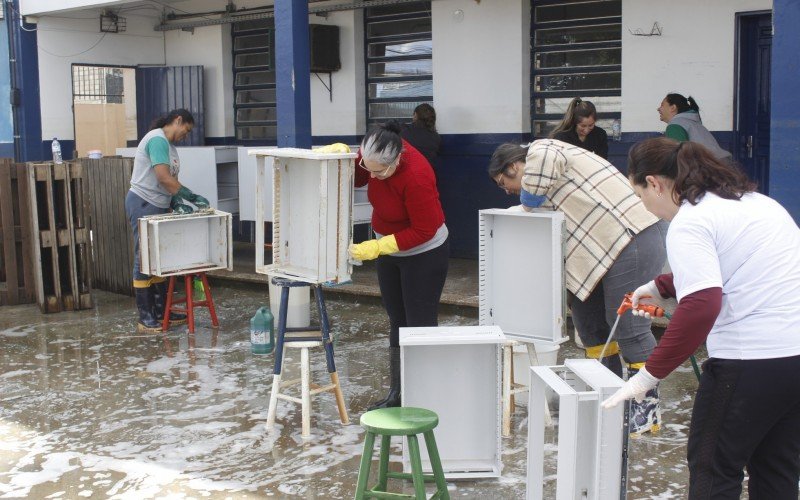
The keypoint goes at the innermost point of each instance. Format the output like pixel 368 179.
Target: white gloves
pixel 636 387
pixel 649 294
pixel 517 208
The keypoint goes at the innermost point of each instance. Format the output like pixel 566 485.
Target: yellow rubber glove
pixel 336 147
pixel 371 249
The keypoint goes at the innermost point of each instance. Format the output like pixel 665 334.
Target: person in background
pixel 735 259
pixel 154 190
pixel 578 128
pixel 613 245
pixel 682 116
pixel 411 242
pixel 421 132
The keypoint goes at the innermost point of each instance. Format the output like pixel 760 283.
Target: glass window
pixel 394 90
pixel 578 81
pixel 244 115
pixel 569 11
pixel 252 59
pixel 391 49
pixel 255 78
pixel 578 58
pixel 401 68
pixel 251 42
pixel 583 34
pixel 254 81
pixel 401 27
pixel 576 51
pixel 399 49
pixel 255 96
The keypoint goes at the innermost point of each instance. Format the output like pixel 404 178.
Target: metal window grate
pixel 398 56
pixel 97 85
pixel 255 116
pixel 576 51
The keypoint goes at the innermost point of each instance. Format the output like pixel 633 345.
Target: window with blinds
pixel 399 60
pixel 576 51
pixel 255 117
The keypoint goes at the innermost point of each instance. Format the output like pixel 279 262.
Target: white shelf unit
pixel 178 244
pixel 521 274
pixel 210 171
pixel 312 223
pixel 455 371
pixel 362 209
pixel 590 439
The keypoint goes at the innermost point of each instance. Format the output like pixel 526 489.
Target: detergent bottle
pixel 262 334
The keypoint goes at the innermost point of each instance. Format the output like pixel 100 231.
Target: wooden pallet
pixel 61 236
pixel 107 184
pixel 16 262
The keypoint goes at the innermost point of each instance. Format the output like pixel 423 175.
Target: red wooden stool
pixel 189 301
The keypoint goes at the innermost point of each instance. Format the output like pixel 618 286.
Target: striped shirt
pixel 602 212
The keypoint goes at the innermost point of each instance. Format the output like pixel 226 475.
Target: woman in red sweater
pixel 411 242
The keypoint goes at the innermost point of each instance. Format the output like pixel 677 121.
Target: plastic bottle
pixel 197 289
pixel 262 334
pixel 616 130
pixel 56 147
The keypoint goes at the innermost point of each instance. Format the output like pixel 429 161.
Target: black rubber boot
pixel 393 398
pixel 147 319
pixel 160 303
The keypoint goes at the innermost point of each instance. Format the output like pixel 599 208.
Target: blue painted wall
pixel 784 162
pixel 6 117
pixel 28 115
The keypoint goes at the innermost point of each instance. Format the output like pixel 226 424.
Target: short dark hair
pixel 693 169
pixel 506 154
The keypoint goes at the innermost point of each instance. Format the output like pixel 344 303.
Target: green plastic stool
pixel 409 422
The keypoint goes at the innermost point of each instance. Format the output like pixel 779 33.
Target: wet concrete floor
pixel 90 409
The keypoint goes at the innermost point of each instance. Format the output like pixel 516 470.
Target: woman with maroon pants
pixel 411 242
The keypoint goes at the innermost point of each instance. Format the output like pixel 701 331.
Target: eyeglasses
pixel 377 174
pixel 500 179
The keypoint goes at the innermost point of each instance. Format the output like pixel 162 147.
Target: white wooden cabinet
pixel 312 197
pixel 177 244
pixel 247 186
pixel 210 171
pixel 455 371
pixel 521 274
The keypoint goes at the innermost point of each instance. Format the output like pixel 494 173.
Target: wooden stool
pixel 188 299
pixel 408 422
pixel 303 338
pixel 510 388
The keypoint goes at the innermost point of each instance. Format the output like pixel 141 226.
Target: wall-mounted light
pixel 458 15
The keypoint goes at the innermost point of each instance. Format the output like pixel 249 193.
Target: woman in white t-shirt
pixel 735 259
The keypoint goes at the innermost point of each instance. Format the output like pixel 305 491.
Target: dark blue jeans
pixel 136 207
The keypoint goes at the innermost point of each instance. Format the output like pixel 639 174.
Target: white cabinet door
pixel 522 274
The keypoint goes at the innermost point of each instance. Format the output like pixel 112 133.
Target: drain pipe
pixel 189 25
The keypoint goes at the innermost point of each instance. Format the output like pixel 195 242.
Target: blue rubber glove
pixel 529 200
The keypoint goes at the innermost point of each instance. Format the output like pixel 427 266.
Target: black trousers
pixel 746 415
pixel 411 288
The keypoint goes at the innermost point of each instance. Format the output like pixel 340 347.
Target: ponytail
pixel 382 143
pixel 163 121
pixel 682 104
